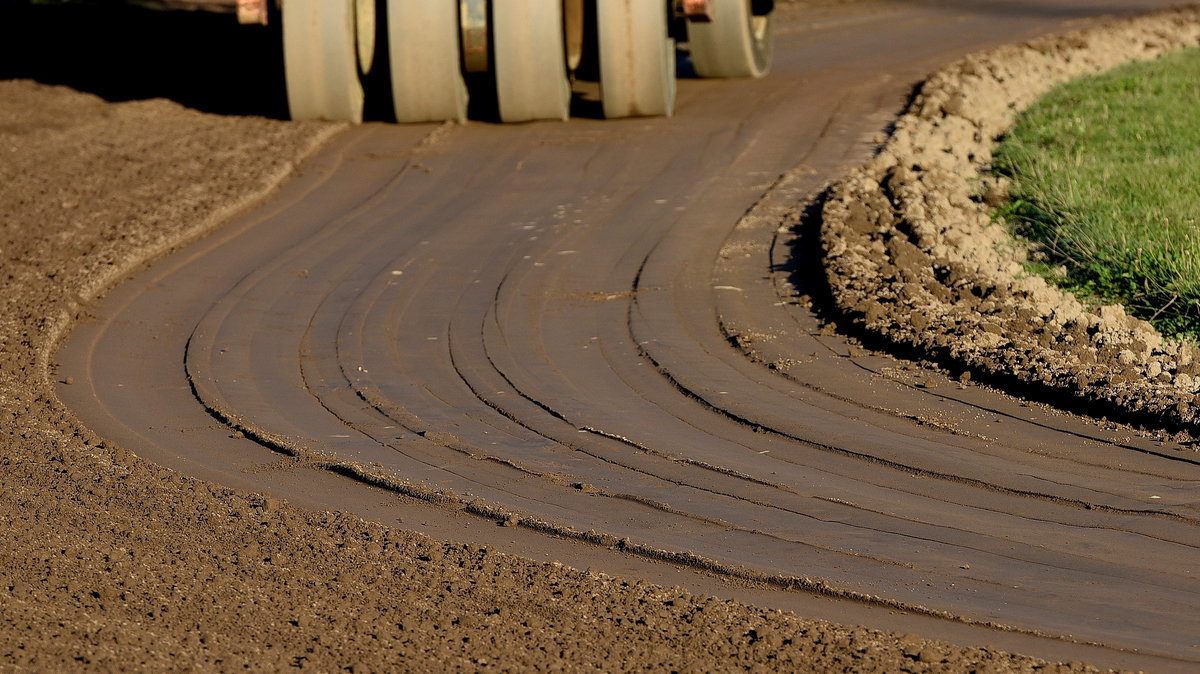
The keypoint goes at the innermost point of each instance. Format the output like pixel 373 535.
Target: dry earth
pixel 112 562
pixel 913 256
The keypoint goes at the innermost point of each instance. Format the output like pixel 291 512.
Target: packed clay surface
pixel 913 255
pixel 112 562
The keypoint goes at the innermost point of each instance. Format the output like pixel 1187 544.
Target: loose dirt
pixel 913 256
pixel 112 562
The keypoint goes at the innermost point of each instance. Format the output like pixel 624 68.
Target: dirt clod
pixel 912 254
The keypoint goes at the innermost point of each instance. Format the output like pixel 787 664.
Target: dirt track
pixel 566 325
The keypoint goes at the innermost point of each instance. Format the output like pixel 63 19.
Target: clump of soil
pixel 912 254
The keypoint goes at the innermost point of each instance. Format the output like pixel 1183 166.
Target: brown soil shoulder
pixel 913 256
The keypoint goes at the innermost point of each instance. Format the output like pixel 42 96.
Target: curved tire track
pixel 528 323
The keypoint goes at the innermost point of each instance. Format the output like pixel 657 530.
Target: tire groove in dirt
pixel 642 500
pixel 760 427
pixel 535 323
pixel 365 475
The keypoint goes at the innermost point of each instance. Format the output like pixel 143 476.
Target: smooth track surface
pixel 573 323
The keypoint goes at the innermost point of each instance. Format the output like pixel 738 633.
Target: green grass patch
pixel 1106 182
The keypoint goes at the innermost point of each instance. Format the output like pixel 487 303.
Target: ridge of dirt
pixel 112 562
pixel 913 256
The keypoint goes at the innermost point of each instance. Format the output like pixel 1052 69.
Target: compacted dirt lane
pixel 546 327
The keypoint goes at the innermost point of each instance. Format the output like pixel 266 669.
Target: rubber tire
pixel 425 54
pixel 735 44
pixel 365 22
pixel 321 60
pixel 637 59
pixel 530 60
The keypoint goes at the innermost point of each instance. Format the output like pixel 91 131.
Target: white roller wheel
pixel 427 82
pixel 735 44
pixel 637 58
pixel 364 16
pixel 530 60
pixel 321 60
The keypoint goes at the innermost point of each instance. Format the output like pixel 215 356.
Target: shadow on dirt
pixel 803 263
pixel 201 60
